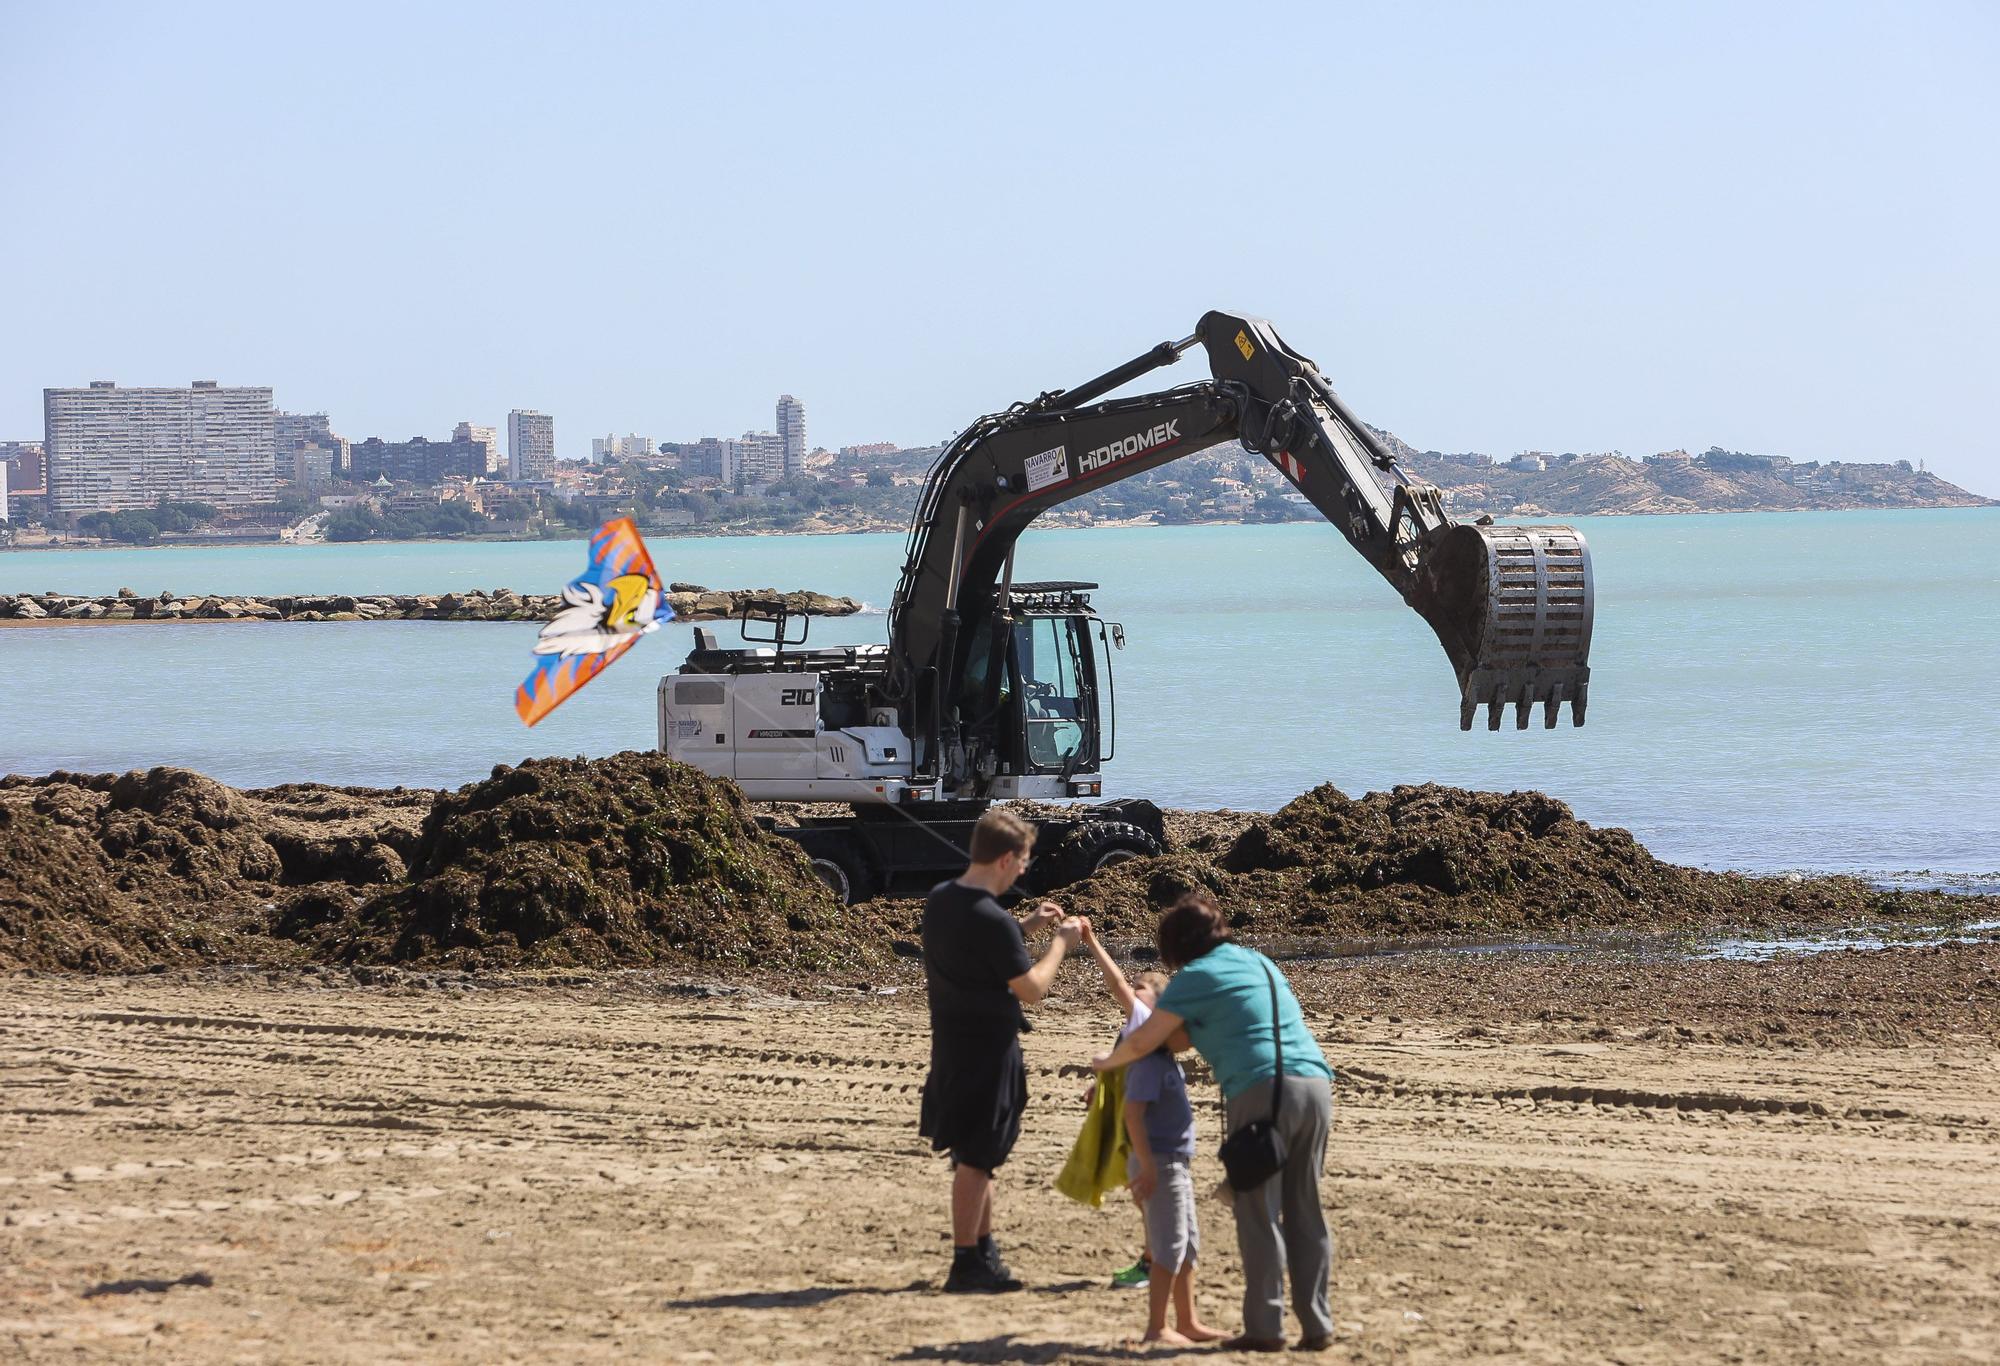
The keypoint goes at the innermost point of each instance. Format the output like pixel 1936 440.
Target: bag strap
pixel 1277 1043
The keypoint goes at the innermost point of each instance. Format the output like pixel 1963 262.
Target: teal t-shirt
pixel 1225 997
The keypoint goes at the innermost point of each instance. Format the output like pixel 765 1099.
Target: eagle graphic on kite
pixel 605 610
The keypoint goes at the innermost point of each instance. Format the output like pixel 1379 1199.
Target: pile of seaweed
pixel 638 861
pixel 634 860
pixel 1441 861
pixel 627 861
pixel 116 873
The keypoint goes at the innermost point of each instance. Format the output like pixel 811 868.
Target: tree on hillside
pixel 171 516
pixel 127 528
pixel 294 505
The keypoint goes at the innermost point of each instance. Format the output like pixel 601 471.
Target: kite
pixel 605 610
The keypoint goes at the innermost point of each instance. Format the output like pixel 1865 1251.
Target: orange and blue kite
pixel 605 610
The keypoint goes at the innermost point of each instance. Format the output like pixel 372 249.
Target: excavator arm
pixel 1511 605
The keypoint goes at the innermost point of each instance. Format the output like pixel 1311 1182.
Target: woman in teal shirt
pixel 1223 993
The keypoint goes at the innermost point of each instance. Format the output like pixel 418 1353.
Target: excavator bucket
pixel 1512 606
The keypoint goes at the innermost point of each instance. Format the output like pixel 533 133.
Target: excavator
pixel 990 690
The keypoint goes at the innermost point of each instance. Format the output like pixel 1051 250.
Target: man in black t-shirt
pixel 977 967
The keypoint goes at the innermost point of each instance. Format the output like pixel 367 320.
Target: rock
pixel 502 604
pixel 686 588
pixel 166 595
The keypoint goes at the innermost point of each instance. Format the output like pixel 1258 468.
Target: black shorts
pixel 975 1096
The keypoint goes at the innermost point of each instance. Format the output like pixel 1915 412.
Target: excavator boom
pixel 1512 605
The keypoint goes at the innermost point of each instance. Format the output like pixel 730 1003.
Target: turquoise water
pixel 1780 690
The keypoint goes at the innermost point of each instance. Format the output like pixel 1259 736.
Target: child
pixel 1160 1123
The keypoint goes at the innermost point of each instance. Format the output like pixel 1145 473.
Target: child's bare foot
pixel 1167 1337
pixel 1197 1331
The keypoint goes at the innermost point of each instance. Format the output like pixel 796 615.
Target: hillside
pixel 1714 481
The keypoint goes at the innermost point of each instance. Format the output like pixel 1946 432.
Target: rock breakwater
pixel 691 602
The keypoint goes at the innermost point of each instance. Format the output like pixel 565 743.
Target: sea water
pixel 1769 690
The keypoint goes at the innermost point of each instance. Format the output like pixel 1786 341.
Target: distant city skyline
pixel 1546 226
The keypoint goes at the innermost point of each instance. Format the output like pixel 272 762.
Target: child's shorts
pixel 1172 1239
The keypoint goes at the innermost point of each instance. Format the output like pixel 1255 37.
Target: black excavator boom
pixel 1512 605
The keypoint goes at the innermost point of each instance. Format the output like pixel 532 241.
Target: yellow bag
pixel 1096 1162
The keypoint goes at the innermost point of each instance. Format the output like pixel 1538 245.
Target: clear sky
pixel 1495 226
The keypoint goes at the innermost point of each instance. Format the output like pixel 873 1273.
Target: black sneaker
pixel 990 1250
pixel 974 1275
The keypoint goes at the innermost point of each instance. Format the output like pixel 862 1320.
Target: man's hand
pixel 1101 1063
pixel 1041 918
pixel 1145 1181
pixel 1071 931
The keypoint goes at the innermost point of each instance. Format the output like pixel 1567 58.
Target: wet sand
pixel 1523 1168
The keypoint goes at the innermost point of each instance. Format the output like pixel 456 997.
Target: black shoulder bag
pixel 1255 1153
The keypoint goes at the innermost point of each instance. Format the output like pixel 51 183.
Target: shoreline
pixel 899 528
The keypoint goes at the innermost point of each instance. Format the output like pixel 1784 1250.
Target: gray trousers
pixel 1280 1226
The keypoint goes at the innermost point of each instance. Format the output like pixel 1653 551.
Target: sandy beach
pixel 1532 1161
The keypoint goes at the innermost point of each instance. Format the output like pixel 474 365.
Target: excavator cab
pixel 1039 729
pixel 1054 702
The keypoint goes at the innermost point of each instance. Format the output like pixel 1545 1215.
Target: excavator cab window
pixel 1058 727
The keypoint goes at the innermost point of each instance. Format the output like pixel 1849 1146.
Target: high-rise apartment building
pixel 792 431
pixel 308 450
pixel 610 450
pixel 496 459
pixel 760 458
pixel 416 461
pixel 112 449
pixel 27 474
pixel 712 457
pixel 531 444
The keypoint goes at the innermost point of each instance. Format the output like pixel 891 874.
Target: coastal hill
pixel 1674 481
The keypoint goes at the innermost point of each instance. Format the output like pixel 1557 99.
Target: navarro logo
pixel 1131 445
